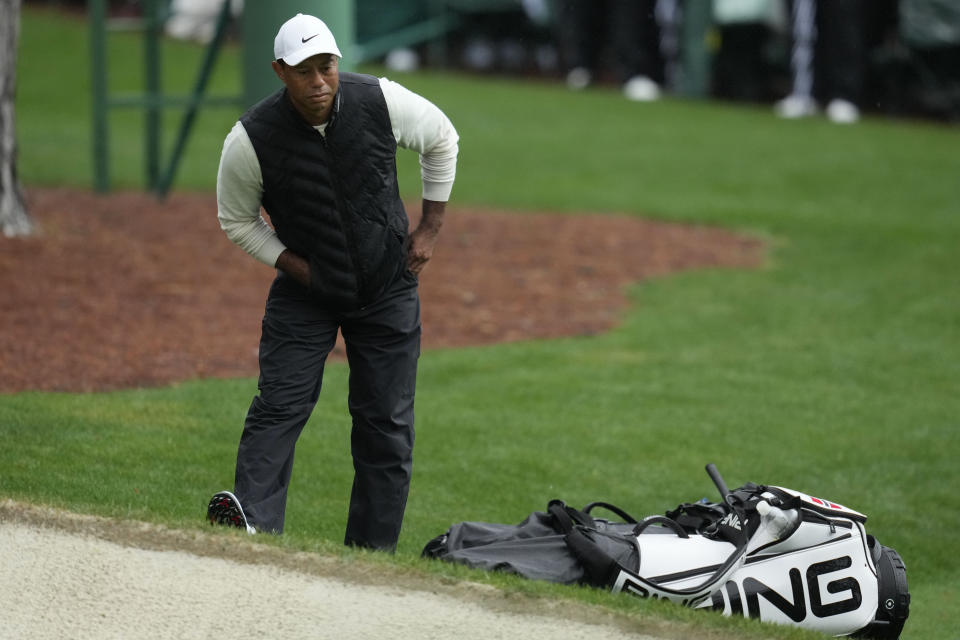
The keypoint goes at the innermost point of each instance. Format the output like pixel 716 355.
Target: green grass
pixel 835 369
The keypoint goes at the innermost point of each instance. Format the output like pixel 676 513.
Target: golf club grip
pixel 718 480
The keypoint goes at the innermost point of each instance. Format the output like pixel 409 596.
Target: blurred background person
pixel 197 19
pixel 618 40
pixel 748 54
pixel 930 29
pixel 827 59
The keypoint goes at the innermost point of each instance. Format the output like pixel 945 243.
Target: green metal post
pixel 152 116
pixel 209 58
pixel 98 68
pixel 262 20
pixel 695 52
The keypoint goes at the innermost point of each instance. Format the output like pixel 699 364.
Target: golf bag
pixel 765 552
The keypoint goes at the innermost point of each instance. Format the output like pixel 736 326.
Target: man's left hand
pixel 424 238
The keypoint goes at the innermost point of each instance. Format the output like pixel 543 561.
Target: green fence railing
pixel 159 174
pixel 365 30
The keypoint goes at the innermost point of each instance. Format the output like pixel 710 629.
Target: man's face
pixel 311 85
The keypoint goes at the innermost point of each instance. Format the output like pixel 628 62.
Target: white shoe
pixel 579 78
pixel 842 111
pixel 641 89
pixel 793 107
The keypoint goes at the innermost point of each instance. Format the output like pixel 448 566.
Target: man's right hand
pixel 295 267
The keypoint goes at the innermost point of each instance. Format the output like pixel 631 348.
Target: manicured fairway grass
pixel 835 369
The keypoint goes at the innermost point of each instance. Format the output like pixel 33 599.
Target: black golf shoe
pixel 225 509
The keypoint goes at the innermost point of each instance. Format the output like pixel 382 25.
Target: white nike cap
pixel 301 37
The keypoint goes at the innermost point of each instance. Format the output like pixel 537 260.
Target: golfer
pixel 319 156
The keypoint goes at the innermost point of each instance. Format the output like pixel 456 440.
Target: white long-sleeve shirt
pixel 417 125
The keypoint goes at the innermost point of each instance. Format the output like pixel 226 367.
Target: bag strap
pixel 566 517
pixel 609 507
pixel 696 517
pixel 604 571
pixel 599 568
pixel 667 522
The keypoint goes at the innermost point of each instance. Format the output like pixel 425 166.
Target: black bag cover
pixel 537 548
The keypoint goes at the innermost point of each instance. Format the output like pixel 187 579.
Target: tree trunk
pixel 14 219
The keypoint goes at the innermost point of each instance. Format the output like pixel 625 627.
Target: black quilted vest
pixel 334 199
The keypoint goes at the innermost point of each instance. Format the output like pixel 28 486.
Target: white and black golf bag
pixel 765 552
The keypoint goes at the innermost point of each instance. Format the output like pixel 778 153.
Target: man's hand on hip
pixel 295 267
pixel 424 237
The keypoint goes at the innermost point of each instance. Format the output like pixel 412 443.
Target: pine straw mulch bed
pixel 122 290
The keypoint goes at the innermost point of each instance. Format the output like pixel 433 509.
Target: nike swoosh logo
pixel 304 40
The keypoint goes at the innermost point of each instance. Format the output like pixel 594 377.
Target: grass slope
pixel 834 370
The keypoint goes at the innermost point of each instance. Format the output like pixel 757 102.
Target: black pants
pixel 828 54
pixel 383 345
pixel 586 29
